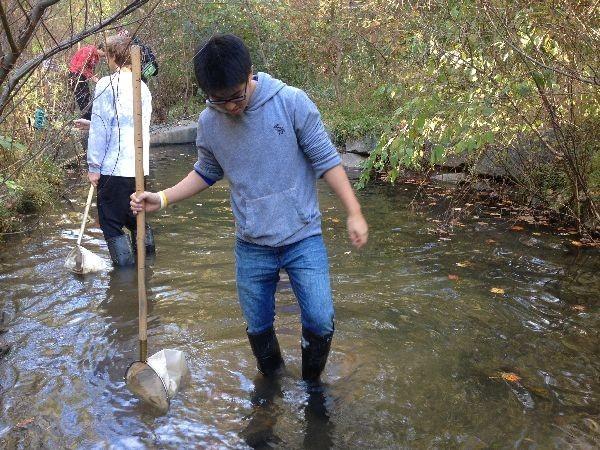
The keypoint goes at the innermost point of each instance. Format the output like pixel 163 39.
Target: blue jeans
pixel 257 274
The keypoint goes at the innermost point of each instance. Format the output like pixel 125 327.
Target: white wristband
pixel 163 200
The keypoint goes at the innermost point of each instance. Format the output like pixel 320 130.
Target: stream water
pixel 419 359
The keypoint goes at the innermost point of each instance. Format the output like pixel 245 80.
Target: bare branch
pixel 12 83
pixel 33 18
pixel 9 36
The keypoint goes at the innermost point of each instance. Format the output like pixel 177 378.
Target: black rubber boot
pixel 315 350
pixel 120 250
pixel 148 240
pixel 266 350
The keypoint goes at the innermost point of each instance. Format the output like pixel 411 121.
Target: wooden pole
pixel 136 70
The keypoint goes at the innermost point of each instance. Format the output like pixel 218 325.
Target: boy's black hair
pixel 222 63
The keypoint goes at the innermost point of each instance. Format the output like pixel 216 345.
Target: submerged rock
pixel 4 349
pixel 451 178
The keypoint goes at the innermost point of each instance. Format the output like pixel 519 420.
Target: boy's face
pixel 233 101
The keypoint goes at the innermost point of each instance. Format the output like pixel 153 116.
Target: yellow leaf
pixel 24 423
pixel 510 377
pixel 496 290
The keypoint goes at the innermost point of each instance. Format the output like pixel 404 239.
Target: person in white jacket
pixel 111 151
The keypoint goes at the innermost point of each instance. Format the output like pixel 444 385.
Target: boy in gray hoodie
pixel 268 140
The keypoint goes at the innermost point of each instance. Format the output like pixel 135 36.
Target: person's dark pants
pixel 78 84
pixel 114 211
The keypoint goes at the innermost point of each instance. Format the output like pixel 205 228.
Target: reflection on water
pixel 419 359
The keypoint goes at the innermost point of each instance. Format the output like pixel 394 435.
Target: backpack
pixel 149 63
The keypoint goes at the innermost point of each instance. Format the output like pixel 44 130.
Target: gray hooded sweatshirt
pixel 272 155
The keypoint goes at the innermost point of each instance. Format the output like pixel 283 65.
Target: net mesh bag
pixel 171 367
pixel 82 261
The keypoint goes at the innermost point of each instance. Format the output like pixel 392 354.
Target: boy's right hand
pixel 148 201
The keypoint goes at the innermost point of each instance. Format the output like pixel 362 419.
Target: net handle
pixel 85 214
pixel 136 70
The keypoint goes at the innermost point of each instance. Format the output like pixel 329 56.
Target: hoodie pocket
pixel 274 216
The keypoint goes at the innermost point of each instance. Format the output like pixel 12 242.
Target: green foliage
pixel 186 109
pixel 322 47
pixel 31 186
pixel 486 76
pixel 352 121
pixel 37 186
pixel 9 144
pixel 432 80
pixel 595 174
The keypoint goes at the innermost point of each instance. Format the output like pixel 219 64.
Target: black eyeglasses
pixel 239 98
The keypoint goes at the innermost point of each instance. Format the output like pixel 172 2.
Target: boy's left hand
pixel 358 230
pixel 82 124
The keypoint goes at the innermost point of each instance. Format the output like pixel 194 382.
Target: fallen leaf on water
pixel 463 264
pixel 496 290
pixel 452 277
pixel 578 307
pixel 517 228
pixel 576 244
pixel 24 423
pixel 510 377
pixel 536 234
pixel 490 241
